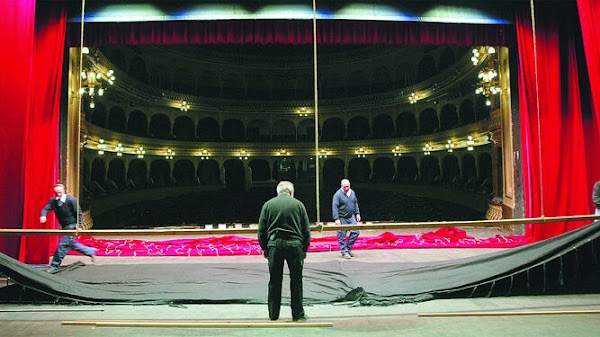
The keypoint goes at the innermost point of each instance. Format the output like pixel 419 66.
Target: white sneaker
pixel 346 256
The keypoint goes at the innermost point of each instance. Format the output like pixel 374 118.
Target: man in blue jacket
pixel 69 215
pixel 345 211
pixel 284 235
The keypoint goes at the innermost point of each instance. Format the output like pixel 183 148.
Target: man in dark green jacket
pixel 284 235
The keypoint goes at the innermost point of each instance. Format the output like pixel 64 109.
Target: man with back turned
pixel 284 235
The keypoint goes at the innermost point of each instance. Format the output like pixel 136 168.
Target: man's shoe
pixel 301 319
pixel 346 256
pixel 351 253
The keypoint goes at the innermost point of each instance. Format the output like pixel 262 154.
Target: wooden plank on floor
pixel 47 309
pixel 203 324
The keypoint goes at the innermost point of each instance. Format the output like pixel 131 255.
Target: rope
pixel 537 104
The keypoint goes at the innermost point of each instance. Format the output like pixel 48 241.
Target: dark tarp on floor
pixel 567 264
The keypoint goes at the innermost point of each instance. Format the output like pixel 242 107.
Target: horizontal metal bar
pixel 321 228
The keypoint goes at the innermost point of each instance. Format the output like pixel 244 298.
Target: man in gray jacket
pixel 345 211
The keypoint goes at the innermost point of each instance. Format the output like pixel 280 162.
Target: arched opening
pixel 233 130
pixel 116 120
pixel 160 173
pixel 208 172
pixel 469 171
pixel 428 121
pixel 160 126
pixel 406 125
pixel 98 174
pixel 99 115
pixel 258 131
pixel 333 171
pixel 359 170
pixel 260 170
pixel 450 170
pixel 407 170
pixel 137 124
pixel 283 131
pixel 306 130
pixel 137 174
pixel 116 174
pixel 430 170
pixel 208 130
pixel 383 170
pixel 383 126
pixel 234 175
pixel 448 117
pixel 184 173
pixel 183 128
pixel 333 130
pixel 358 128
pixel 466 112
pixel 284 169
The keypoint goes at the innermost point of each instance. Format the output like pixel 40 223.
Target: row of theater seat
pixel 223 206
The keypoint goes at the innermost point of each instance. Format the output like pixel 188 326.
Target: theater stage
pixel 566 264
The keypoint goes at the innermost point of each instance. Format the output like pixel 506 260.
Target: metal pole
pixel 317 173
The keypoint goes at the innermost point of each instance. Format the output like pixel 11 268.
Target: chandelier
pixel 94 78
pixel 488 83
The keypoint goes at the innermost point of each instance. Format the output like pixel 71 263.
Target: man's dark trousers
pixel 291 251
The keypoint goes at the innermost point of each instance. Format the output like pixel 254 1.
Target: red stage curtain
pixel 17 26
pixel 589 16
pixel 293 32
pixel 42 129
pixel 560 179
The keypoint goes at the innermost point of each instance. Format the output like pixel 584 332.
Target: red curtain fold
pixel 17 26
pixel 553 146
pixel 292 32
pixel 42 130
pixel 589 16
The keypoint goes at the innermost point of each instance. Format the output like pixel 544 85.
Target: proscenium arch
pixel 136 72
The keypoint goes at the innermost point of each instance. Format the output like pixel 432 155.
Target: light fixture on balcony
pixel 450 146
pixel 140 152
pixel 169 154
pixel 184 106
pixel 427 149
pixel 243 155
pixel 101 146
pixel 119 149
pixel 413 98
pixel 94 78
pixel 282 152
pixel 204 154
pixel 324 153
pixel 361 153
pixel 303 111
pixel 396 151
pixel 470 143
